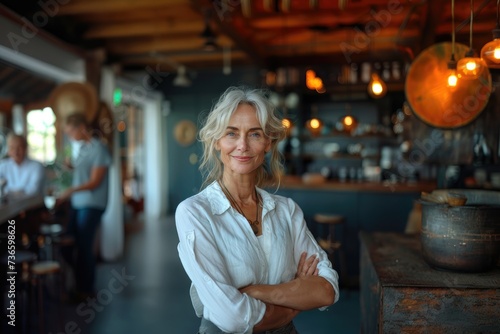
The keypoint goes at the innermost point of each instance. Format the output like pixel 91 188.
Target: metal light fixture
pixel 181 80
pixel 470 67
pixel 490 52
pixel 452 78
pixel 209 36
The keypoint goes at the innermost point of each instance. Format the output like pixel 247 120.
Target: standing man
pixel 89 196
pixel 22 175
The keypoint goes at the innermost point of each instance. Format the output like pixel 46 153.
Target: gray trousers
pixel 207 327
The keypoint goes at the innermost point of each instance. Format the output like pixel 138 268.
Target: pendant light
pixel 209 36
pixel 314 82
pixel 181 80
pixel 314 125
pixel 348 123
pixel 376 87
pixel 490 52
pixel 470 67
pixel 452 78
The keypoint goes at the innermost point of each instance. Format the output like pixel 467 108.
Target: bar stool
pixel 331 244
pixel 60 244
pixel 48 232
pixel 39 273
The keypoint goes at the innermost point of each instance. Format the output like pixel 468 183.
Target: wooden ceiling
pixel 165 34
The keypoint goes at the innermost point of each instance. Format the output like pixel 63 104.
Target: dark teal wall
pixel 363 211
pixel 184 178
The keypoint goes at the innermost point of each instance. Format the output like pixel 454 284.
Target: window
pixel 42 135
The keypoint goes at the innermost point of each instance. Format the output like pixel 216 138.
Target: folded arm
pixel 285 301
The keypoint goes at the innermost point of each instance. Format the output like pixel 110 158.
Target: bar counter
pixel 15 205
pixel 296 182
pixel 366 206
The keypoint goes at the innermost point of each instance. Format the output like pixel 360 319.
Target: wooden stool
pixel 331 244
pixel 39 271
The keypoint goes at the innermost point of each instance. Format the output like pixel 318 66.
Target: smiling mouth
pixel 242 158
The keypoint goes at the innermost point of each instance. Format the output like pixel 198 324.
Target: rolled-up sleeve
pixel 305 242
pixel 223 304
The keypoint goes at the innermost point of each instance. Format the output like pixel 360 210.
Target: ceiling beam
pixel 79 7
pixel 144 28
pixel 159 44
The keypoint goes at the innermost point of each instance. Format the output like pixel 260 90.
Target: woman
pixel 244 249
pixel 89 197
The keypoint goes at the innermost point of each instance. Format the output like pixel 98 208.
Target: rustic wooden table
pixel 401 293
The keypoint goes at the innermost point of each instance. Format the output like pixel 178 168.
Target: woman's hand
pixel 308 266
pixel 64 196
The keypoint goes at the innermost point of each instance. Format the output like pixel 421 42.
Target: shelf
pixel 347 137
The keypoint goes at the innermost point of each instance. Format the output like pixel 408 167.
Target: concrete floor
pixel 151 295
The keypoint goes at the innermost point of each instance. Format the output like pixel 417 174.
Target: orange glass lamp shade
pixel 470 67
pixel 490 52
pixel 376 87
pixel 314 125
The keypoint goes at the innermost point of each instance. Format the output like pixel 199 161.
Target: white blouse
pixel 221 254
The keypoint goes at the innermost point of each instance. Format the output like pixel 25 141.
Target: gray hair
pixel 216 123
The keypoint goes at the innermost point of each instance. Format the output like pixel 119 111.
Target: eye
pixel 230 133
pixel 256 135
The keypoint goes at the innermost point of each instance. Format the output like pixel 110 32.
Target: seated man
pixel 21 174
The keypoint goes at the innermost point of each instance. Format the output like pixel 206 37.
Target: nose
pixel 242 144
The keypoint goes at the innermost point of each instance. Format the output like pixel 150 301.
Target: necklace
pixel 253 224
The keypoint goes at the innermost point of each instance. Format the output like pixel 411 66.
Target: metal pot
pixel 463 238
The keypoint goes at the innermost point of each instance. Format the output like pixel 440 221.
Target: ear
pixel 217 146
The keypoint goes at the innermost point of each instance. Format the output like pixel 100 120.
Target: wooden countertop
pixel 16 205
pixel 295 182
pixel 397 259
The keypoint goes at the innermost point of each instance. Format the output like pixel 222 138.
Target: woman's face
pixel 243 145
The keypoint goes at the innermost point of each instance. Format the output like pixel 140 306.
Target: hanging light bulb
pixel 349 123
pixel 314 82
pixel 470 67
pixel 314 125
pixel 376 87
pixel 287 123
pixel 451 77
pixel 490 52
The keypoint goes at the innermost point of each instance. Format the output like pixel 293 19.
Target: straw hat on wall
pixel 72 97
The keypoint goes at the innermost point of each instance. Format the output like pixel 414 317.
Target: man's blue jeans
pixel 82 226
